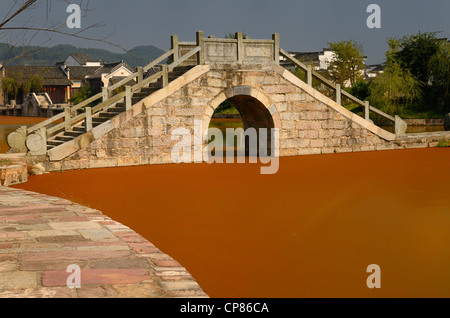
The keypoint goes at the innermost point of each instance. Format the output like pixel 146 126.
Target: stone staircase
pixel 114 110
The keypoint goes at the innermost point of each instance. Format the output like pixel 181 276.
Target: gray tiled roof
pixel 80 72
pixel 82 58
pixel 53 75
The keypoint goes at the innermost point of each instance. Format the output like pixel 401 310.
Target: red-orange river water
pixel 309 230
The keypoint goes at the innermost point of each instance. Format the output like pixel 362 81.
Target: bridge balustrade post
pixel 105 93
pixel 67 115
pixel 240 47
pixel 366 110
pixel 276 47
pixel 128 95
pixel 44 137
pixel 201 43
pixel 140 76
pixel 174 46
pixel 309 75
pixel 88 119
pixel 165 76
pixel 338 94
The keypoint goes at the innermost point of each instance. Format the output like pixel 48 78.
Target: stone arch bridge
pixel 130 123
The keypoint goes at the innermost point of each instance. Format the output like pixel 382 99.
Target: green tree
pixel 11 85
pixel 440 78
pixel 394 89
pixel 415 53
pixel 361 89
pixel 34 84
pixel 84 93
pixel 348 64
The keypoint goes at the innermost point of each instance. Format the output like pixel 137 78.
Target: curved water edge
pixel 42 237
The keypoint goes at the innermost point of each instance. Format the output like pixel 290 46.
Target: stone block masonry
pixel 40 236
pixel 267 96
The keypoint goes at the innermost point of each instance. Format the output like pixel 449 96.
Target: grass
pixel 5 161
pixel 407 113
pixel 443 143
pixel 72 199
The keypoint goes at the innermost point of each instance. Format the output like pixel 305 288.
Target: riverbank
pixel 40 236
pixel 8 124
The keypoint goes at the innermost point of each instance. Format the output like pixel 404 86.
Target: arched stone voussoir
pixel 242 90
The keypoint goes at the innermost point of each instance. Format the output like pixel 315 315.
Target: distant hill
pixel 35 55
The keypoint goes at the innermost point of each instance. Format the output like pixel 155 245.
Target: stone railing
pixel 34 139
pixel 399 125
pixel 239 50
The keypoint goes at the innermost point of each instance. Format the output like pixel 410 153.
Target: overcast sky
pixel 302 25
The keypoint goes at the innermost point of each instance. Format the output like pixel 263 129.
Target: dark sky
pixel 302 25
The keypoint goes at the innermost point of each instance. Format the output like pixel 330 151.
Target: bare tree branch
pixel 27 30
pixel 21 9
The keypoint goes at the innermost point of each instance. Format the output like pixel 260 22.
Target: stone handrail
pixel 310 73
pixel 48 128
pixel 61 115
pixel 127 94
pixel 184 58
pixel 144 69
pixel 86 102
pixel 238 50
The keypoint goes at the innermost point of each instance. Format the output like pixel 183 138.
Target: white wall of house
pixel 325 59
pixel 70 61
pixel 92 64
pixel 76 84
pixel 120 72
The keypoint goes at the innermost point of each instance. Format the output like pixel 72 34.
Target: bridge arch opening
pixel 248 112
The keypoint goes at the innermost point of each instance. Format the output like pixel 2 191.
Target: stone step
pixel 176 74
pixel 64 138
pixel 148 91
pixel 73 133
pixel 143 95
pixel 152 85
pixel 54 142
pixel 115 110
pixel 99 120
pixel 80 129
pixel 183 68
pixel 109 114
pixel 136 99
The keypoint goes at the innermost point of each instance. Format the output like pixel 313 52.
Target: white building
pixel 319 60
pixel 79 59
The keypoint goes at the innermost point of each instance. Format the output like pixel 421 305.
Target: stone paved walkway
pixel 40 236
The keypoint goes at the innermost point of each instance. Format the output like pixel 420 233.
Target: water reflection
pixel 223 124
